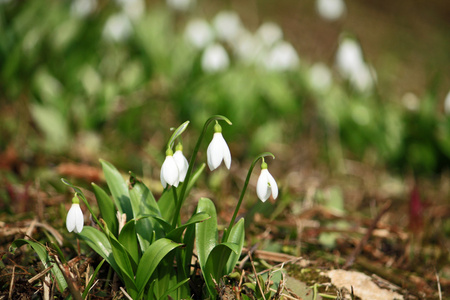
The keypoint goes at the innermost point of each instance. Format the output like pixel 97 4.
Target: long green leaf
pixel 118 188
pixel 173 288
pixel 177 133
pixel 206 233
pixel 128 240
pixel 107 208
pixel 45 259
pixel 236 236
pixel 91 281
pixel 150 260
pixel 175 234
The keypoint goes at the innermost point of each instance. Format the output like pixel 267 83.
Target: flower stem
pixel 247 180
pixel 191 166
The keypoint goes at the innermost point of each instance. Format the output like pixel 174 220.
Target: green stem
pixel 191 165
pixel 175 198
pixel 90 210
pixel 247 180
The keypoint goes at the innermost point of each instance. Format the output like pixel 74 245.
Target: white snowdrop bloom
pixel 266 184
pixel 169 170
pixel 75 219
pixel 282 57
pixel 82 8
pixel 181 5
pixel 199 33
pixel 320 77
pixel 227 25
pixel 411 101
pixel 132 8
pixel 181 162
pixel 269 33
pixel 363 78
pixel 330 10
pixel 117 28
pixel 349 57
pixel 218 150
pixel 246 47
pixel 447 104
pixel 215 59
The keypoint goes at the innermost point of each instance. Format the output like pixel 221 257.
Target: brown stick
pixel 351 259
pixel 11 286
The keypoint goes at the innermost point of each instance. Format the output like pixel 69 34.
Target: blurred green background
pixel 85 79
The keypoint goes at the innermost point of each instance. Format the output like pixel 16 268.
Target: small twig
pixel 125 293
pixel 73 290
pixel 438 285
pixel 351 259
pixel 30 229
pixel 256 276
pixel 40 274
pixel 11 285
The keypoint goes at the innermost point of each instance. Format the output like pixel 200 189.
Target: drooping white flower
pixel 82 8
pixel 180 5
pixel 181 162
pixel 282 57
pixel 269 33
pixel 266 184
pixel 330 10
pixel 117 28
pixel 227 25
pixel 320 77
pixel 218 150
pixel 199 33
pixel 169 170
pixel 75 219
pixel 215 59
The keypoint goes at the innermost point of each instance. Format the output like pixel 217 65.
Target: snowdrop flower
pixel 247 47
pixel 132 8
pixel 117 28
pixel 320 77
pixel 266 184
pixel 269 33
pixel 447 104
pixel 330 10
pixel 227 25
pixel 169 170
pixel 218 150
pixel 199 33
pixel 82 8
pixel 181 162
pixel 282 57
pixel 180 5
pixel 215 59
pixel 75 219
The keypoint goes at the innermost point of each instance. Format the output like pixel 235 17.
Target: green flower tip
pixel 75 199
pixel 169 152
pixel 263 165
pixel 179 147
pixel 217 127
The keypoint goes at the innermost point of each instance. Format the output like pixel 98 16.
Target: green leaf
pixel 107 208
pixel 150 260
pixel 175 234
pixel 236 236
pixel 98 241
pixel 127 238
pixel 206 233
pixel 45 259
pixel 118 188
pixel 173 288
pixel 177 133
pixel 91 282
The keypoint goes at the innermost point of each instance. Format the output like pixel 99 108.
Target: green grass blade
pixel 236 236
pixel 91 281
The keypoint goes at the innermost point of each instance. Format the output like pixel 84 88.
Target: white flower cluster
pixel 265 47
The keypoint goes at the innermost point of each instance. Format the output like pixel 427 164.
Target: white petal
pixel 169 171
pixel 163 182
pixel 75 220
pixel 182 164
pixel 215 151
pixel 226 153
pixel 262 186
pixel 273 185
pixel 79 220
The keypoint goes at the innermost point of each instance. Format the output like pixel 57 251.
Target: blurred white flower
pixel 330 10
pixel 132 8
pixel 227 25
pixel 199 33
pixel 181 162
pixel 350 63
pixel 82 8
pixel 169 170
pixel 266 184
pixel 411 101
pixel 447 104
pixel 246 46
pixel 282 57
pixel 215 59
pixel 320 77
pixel 75 219
pixel 218 150
pixel 269 33
pixel 181 5
pixel 117 28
